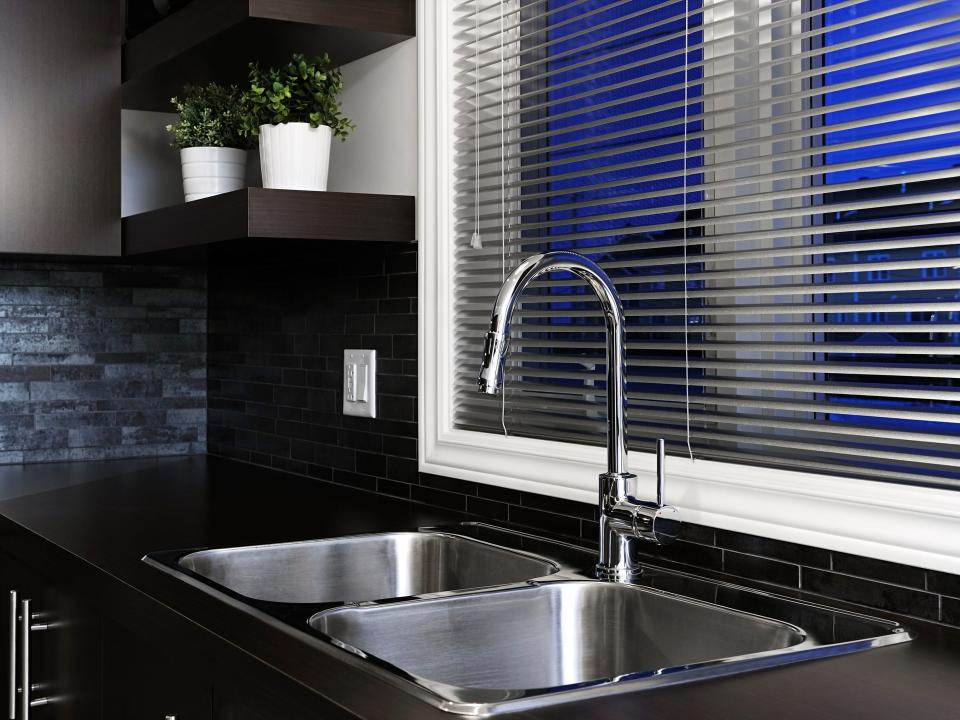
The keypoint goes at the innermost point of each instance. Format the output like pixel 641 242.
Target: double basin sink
pixel 476 627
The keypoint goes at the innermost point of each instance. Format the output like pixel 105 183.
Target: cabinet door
pixel 60 124
pixel 62 648
pixel 145 682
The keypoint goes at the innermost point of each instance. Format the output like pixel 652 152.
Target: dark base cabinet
pixel 54 650
pixel 83 665
pixel 144 681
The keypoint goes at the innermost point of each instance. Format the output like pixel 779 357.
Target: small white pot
pixel 212 170
pixel 295 156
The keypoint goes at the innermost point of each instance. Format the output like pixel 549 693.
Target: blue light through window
pixel 886 164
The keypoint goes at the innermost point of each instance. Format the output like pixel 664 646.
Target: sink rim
pixel 426 532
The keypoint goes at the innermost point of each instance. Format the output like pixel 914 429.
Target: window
pixel 773 186
pixel 715 156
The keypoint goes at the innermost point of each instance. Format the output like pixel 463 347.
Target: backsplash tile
pixel 872 594
pixel 879 570
pixel 943 583
pixel 101 361
pixel 950 611
pixel 765 547
pixel 760 568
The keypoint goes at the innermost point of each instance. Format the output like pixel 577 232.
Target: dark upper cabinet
pixel 60 124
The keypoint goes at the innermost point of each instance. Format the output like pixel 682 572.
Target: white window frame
pixel 898 523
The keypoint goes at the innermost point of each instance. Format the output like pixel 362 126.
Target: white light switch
pixel 360 383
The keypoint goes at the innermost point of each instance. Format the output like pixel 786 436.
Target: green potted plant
pixel 209 134
pixel 295 113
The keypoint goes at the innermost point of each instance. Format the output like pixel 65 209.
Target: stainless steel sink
pixel 364 567
pixel 478 628
pixel 479 650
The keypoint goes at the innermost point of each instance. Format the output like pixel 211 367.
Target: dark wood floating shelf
pixel 215 39
pixel 262 213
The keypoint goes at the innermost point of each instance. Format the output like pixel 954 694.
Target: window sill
pixel 898 523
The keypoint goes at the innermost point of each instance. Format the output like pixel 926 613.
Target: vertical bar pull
pixel 12 668
pixel 24 659
pixel 661 472
pixel 27 688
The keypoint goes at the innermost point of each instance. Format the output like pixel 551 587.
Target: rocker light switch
pixel 360 383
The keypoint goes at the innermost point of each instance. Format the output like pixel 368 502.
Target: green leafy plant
pixel 209 116
pixel 303 90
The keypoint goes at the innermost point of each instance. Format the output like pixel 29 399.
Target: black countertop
pixel 89 524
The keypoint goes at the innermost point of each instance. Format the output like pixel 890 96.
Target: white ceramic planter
pixel 212 170
pixel 295 156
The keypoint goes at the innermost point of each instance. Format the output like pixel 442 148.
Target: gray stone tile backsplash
pixel 101 361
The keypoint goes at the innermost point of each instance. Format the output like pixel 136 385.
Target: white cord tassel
pixel 475 241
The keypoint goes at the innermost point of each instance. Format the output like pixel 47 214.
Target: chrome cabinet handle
pixel 12 669
pixel 27 626
pixel 25 659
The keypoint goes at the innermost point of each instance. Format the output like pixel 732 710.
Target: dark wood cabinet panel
pixel 60 123
pixel 144 681
pixel 215 39
pixel 280 214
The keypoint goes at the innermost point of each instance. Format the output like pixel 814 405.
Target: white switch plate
pixel 360 383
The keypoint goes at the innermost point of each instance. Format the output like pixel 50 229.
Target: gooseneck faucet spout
pixel 622 516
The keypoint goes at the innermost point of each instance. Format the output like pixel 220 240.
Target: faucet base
pixel 614 573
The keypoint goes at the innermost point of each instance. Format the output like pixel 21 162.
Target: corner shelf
pixel 215 39
pixel 263 213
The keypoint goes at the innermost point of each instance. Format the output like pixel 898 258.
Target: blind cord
pixel 475 241
pixel 686 298
pixel 503 194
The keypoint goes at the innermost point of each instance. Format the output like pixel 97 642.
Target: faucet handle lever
pixel 657 522
pixel 661 472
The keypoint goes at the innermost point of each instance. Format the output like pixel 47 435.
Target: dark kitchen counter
pixel 89 524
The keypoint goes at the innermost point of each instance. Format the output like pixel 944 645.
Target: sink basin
pixel 364 567
pixel 480 653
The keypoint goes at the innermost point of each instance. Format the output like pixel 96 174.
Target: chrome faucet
pixel 622 516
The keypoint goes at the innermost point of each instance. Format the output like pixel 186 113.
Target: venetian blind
pixel 772 185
